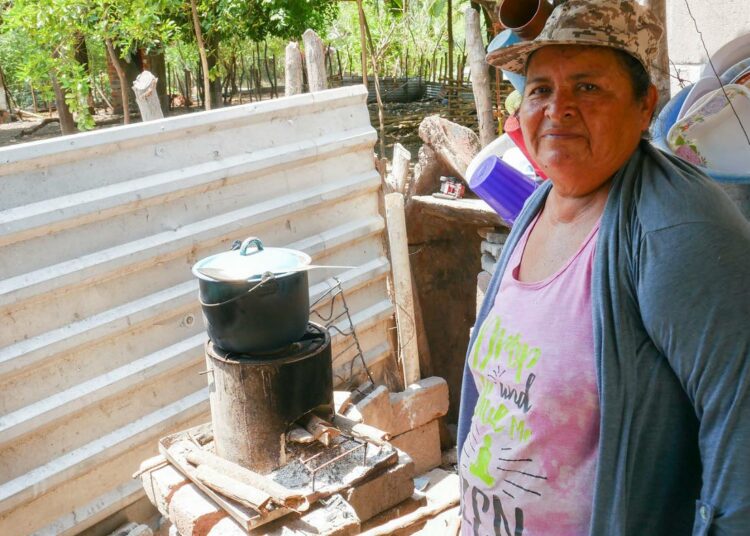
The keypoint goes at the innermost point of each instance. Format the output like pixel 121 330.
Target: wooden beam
pixel 408 353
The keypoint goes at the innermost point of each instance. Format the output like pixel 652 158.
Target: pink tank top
pixel 529 461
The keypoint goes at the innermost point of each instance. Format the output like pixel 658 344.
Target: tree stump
pixel 146 96
pixel 316 61
pixel 293 70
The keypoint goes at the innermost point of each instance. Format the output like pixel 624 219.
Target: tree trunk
pixel 158 66
pixel 292 70
pixel 315 59
pixel 67 124
pixel 212 56
pixel 5 108
pixel 123 83
pixel 188 93
pixel 480 80
pixel 204 58
pixel 33 99
pixel 381 108
pixel 449 66
pixel 82 57
pixel 362 40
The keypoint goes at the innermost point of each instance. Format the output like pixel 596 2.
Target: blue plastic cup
pixel 503 187
pixel 502 40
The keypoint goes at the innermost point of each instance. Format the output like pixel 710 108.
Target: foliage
pixel 421 31
pixel 38 38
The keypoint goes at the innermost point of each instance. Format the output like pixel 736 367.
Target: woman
pixel 606 388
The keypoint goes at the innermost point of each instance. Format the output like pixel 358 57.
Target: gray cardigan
pixel 671 316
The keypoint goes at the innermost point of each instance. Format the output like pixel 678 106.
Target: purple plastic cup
pixel 503 187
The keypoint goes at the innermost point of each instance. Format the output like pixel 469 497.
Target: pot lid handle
pixel 252 241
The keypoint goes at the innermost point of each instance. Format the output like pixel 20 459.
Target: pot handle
pixel 252 241
pixel 267 276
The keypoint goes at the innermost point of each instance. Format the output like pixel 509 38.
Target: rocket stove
pixel 255 398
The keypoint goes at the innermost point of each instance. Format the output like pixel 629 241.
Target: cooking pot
pixel 254 299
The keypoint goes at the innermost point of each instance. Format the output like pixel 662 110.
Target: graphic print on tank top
pixel 528 464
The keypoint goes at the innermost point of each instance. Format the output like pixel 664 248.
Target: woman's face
pixel 579 116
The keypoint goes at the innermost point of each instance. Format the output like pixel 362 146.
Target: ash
pixel 298 474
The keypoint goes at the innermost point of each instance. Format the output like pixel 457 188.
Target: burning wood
pixel 297 434
pixel 320 430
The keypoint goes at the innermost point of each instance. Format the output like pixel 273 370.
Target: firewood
pixel 360 430
pixel 176 452
pixel 297 434
pixel 279 494
pixel 321 430
pixel 244 494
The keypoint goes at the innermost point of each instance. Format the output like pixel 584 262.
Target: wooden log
pixel 241 492
pixel 279 494
pixel 315 60
pixel 480 80
pixel 146 96
pixel 402 288
pixel 244 516
pixel 360 430
pixel 293 70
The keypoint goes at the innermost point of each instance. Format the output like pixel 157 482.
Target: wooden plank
pixel 402 287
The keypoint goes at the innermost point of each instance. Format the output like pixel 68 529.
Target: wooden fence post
pixel 315 59
pixel 146 96
pixel 480 80
pixel 293 70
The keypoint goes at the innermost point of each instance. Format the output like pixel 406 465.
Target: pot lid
pixel 250 262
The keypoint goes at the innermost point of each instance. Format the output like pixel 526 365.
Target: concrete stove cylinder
pixel 254 399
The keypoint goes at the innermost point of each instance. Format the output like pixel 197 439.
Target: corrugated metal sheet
pixel 102 338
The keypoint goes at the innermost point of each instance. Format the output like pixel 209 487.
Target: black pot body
pixel 267 318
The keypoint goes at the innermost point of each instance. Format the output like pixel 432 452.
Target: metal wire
pixel 711 63
pixel 330 319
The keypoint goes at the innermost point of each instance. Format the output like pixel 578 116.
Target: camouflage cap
pixel 620 24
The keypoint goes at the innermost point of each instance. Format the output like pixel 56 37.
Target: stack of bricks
pixel 409 417
pixel 493 240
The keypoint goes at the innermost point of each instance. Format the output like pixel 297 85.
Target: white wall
pixel 719 21
pixel 101 335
